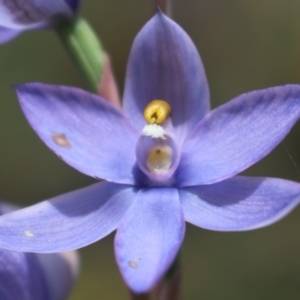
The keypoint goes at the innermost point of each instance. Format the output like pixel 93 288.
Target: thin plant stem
pixel 140 296
pixel 84 47
pixel 164 5
pixel 170 286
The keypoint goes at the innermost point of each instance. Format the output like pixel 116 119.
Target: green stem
pixel 84 47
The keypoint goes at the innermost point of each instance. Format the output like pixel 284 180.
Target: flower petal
pixel 61 270
pixel 66 222
pixel 7 34
pixel 53 274
pixel 22 277
pixel 238 134
pixel 21 14
pixel 149 237
pixel 164 64
pixel 84 130
pixel 239 203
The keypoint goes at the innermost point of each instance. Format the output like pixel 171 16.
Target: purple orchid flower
pixel 19 15
pixel 177 166
pixel 31 276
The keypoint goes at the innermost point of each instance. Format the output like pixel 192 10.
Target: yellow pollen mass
pixel 157 111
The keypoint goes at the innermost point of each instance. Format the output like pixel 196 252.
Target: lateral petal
pixel 83 129
pixel 238 134
pixel 66 222
pixel 239 203
pixel 35 276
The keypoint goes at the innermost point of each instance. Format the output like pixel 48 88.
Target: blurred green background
pixel 245 45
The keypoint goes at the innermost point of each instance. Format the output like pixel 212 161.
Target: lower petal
pixel 149 237
pixel 239 203
pixel 66 222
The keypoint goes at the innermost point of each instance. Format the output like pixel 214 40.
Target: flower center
pixel 156 147
pixel 159 156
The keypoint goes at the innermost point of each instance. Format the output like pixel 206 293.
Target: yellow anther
pixel 157 111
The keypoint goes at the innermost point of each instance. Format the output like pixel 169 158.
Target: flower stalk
pixel 170 286
pixel 140 296
pixel 84 47
pixel 164 5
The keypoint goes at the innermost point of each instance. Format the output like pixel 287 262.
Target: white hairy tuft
pixel 154 130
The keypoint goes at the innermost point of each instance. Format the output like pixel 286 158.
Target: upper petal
pixel 164 64
pixel 239 203
pixel 86 131
pixel 66 222
pixel 149 237
pixel 19 14
pixel 238 134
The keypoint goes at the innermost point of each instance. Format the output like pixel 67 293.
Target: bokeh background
pixel 245 45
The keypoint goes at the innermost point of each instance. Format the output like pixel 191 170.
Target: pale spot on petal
pixel 28 233
pixel 133 264
pixel 61 140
